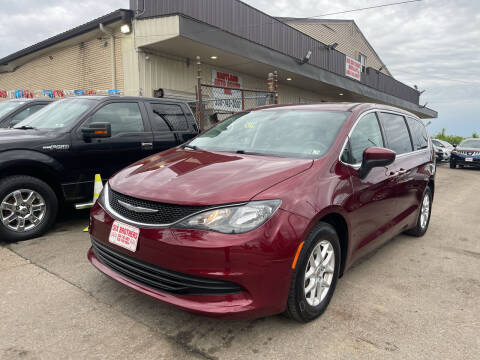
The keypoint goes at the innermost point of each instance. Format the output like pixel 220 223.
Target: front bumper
pixel 461 159
pixel 258 262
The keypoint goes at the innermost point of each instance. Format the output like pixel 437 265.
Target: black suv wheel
pixel 28 208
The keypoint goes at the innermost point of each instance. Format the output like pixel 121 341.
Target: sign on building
pixel 353 68
pixel 225 97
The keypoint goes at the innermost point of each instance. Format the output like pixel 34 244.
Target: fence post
pixel 200 98
pixel 275 85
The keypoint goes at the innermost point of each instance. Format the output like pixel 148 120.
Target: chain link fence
pixel 215 103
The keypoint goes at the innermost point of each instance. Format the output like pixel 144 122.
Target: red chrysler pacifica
pixel 265 211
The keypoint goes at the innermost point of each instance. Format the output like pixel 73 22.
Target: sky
pixel 433 44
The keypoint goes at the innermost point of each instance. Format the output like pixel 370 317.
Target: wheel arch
pixel 340 225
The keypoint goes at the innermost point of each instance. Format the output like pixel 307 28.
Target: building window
pixel 363 60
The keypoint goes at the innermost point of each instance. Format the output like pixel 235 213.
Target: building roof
pixel 334 21
pixel 117 15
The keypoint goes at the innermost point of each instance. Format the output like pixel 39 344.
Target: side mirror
pixel 375 157
pixel 97 130
pixel 454 145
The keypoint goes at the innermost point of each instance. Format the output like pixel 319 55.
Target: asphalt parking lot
pixel 411 299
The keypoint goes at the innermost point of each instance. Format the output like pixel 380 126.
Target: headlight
pixel 101 198
pixel 233 219
pixel 454 152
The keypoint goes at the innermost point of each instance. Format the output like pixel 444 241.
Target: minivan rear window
pixel 419 134
pixel 396 132
pixel 289 133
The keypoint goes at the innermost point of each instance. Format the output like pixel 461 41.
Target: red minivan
pixel 263 213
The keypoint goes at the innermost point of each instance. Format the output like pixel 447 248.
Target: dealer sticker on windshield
pixel 125 236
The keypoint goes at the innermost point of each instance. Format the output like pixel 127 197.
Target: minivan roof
pixel 337 106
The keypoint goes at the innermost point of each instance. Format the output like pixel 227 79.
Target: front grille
pixel 160 279
pixel 167 213
pixel 471 153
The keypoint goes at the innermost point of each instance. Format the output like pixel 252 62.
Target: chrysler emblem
pixel 137 209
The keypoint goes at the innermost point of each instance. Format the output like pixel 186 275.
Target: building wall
pixel 175 76
pixel 346 34
pixel 84 65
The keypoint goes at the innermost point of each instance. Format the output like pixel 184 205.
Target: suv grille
pixel 166 214
pixel 471 153
pixel 160 279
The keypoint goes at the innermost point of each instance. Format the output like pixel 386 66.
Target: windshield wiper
pixel 26 127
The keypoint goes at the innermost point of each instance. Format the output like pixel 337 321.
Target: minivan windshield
pixel 57 115
pixel 7 106
pixel 471 143
pixel 286 133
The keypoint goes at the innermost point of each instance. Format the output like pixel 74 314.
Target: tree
pixel 475 135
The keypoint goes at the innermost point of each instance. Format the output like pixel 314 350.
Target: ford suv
pixel 264 212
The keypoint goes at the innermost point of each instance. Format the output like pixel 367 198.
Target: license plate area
pixel 124 235
pixel 469 159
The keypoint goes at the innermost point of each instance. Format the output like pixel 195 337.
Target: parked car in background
pixel 52 157
pixel 443 149
pixel 262 213
pixel 467 153
pixel 14 111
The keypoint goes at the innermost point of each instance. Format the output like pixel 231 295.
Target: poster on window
pixel 226 99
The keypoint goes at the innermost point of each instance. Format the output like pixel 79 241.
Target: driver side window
pixel 367 133
pixel 124 118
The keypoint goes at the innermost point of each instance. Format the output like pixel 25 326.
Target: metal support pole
pixel 275 86
pixel 201 120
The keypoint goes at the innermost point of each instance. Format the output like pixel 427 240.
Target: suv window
pixel 366 134
pixel 396 133
pixel 124 118
pixel 419 134
pixel 172 114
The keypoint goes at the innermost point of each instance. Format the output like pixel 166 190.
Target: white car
pixel 443 149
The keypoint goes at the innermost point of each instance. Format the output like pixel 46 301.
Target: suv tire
pixel 300 306
pixel 453 165
pixel 28 208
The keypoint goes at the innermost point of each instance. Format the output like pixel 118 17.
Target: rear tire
pixel 421 226
pixel 28 208
pixel 304 305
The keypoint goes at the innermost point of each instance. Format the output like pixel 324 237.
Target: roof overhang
pixel 197 38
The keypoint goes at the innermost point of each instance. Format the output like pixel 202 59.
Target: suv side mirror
pixel 375 157
pixel 454 145
pixel 97 130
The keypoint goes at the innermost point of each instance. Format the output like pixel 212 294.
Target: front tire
pixel 453 165
pixel 315 275
pixel 424 214
pixel 28 208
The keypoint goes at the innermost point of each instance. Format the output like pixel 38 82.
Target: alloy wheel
pixel 22 210
pixel 425 211
pixel 319 273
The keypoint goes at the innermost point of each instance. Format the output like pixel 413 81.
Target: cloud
pixel 430 43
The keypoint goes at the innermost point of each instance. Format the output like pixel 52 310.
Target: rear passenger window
pixel 172 114
pixel 124 118
pixel 419 134
pixel 366 134
pixel 396 133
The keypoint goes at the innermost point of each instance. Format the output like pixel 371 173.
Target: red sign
pixel 353 68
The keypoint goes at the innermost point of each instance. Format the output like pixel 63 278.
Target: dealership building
pixel 152 49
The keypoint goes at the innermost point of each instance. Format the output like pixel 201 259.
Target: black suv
pixel 14 111
pixel 52 157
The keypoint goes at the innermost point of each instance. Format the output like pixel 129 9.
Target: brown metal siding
pixel 249 23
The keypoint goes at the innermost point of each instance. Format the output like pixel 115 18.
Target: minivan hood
pixel 196 177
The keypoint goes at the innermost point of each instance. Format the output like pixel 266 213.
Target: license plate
pixel 469 159
pixel 125 236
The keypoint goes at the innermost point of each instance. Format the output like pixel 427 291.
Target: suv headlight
pixel 233 219
pixel 454 152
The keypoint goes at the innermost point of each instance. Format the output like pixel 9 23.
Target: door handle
pixel 147 145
